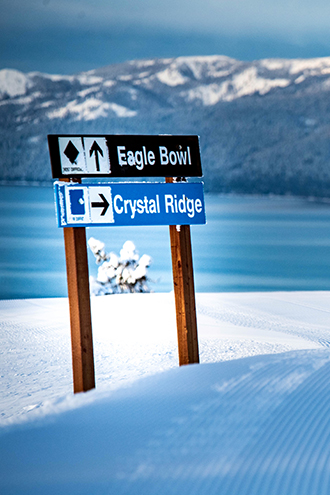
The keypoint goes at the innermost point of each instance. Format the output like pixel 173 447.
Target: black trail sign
pixel 124 156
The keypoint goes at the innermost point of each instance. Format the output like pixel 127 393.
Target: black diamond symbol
pixel 71 152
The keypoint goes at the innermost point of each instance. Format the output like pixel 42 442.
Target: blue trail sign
pixel 124 156
pixel 124 204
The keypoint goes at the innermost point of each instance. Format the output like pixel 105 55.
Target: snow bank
pixel 253 425
pixel 135 335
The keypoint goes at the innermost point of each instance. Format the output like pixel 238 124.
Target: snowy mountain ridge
pixel 263 125
pixel 234 79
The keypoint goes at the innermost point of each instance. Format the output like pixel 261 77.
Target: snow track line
pixel 240 464
pixel 286 467
pixel 313 428
pixel 263 321
pixel 237 400
pixel 322 310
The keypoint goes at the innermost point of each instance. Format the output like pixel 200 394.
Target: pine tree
pixel 126 273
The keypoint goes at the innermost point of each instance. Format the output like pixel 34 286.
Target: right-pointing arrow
pixel 104 204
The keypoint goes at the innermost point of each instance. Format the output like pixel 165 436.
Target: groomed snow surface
pixel 252 418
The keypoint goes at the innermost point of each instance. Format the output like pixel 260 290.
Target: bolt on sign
pixel 78 205
pixel 124 156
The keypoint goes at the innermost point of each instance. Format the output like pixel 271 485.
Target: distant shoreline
pixel 49 183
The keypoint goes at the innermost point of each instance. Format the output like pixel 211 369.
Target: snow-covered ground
pixel 252 418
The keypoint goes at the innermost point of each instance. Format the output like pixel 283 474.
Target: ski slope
pixel 252 418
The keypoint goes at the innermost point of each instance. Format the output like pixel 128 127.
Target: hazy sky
pixel 65 36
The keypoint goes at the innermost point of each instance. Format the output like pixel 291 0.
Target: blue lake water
pixel 248 244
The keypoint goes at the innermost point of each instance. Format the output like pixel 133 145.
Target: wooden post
pixel 80 310
pixel 184 292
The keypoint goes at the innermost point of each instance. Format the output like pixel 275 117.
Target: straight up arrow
pixel 96 150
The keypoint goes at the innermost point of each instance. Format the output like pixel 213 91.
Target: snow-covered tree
pixel 119 274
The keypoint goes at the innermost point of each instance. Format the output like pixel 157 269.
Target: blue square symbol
pixel 77 203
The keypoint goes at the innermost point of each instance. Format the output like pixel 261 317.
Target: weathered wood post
pixel 184 292
pixel 80 308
